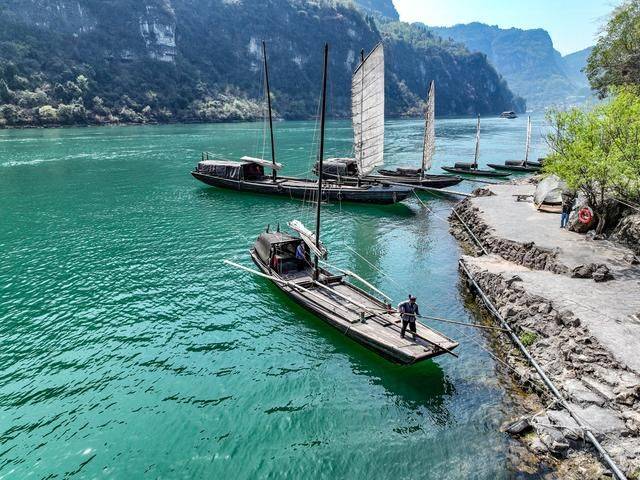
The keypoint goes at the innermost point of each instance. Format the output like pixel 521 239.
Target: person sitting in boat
pixel 409 310
pixel 301 255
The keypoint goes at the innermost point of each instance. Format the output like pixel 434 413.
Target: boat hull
pixel 515 168
pixel 431 181
pixel 409 352
pixel 476 172
pixel 301 189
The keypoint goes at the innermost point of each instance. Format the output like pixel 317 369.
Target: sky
pixel 573 24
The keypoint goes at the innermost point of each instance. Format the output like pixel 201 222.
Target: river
pixel 129 350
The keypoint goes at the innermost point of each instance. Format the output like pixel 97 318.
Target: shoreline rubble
pixel 573 302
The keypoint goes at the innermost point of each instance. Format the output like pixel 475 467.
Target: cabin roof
pixel 339 161
pixel 224 163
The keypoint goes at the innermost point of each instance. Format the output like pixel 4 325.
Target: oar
pixel 351 274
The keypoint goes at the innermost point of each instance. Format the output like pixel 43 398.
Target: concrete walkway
pixel 610 310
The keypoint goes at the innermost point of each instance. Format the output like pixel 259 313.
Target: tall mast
pixel 321 154
pixel 477 155
pixel 361 111
pixel 266 76
pixel 526 153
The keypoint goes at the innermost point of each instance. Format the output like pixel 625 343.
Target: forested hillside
pixel 528 60
pixel 109 61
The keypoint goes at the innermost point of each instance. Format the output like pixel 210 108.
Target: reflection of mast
pixel 266 76
pixel 321 155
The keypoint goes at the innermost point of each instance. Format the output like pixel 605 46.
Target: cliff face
pixel 528 61
pixel 385 8
pixel 97 61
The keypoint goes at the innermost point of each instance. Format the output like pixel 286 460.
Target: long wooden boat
pixel 522 166
pixel 286 261
pixel 344 306
pixel 345 170
pixel 248 176
pixel 461 168
pixel 368 111
pixel 464 168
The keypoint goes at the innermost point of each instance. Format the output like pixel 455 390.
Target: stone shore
pixel 575 302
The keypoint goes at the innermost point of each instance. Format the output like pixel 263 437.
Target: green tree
pixel 615 60
pixel 598 152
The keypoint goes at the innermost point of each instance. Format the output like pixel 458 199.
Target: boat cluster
pixel 296 263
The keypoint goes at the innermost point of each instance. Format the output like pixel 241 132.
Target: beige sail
pixel 367 101
pixel 429 148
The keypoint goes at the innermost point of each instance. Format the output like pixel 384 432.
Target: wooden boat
pixel 464 168
pixel 510 115
pixel 520 165
pixel 357 314
pixel 367 106
pixel 248 174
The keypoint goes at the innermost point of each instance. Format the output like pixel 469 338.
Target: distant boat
pixel 248 174
pixel 360 316
pixel 525 165
pixel 465 168
pixel 367 106
pixel 509 114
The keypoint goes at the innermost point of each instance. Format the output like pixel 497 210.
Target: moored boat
pixel 367 106
pixel 520 165
pixel 286 260
pixel 248 174
pixel 466 168
pixel 509 114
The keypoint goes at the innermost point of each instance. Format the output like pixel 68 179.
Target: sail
pixel 367 108
pixel 477 155
pixel 429 130
pixel 526 154
pixel 309 238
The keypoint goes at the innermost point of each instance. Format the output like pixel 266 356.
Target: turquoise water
pixel 129 350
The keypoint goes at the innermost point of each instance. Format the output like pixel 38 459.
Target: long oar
pixel 286 283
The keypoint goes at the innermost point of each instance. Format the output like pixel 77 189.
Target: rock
pixel 631 259
pixel 518 427
pixel 628 232
pixel 583 271
pixel 602 274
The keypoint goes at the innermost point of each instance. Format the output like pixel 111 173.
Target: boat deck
pixel 380 330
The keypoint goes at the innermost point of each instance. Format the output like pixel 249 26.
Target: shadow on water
pixel 400 209
pixel 414 387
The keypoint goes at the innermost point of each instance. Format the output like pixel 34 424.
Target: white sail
pixel 367 108
pixel 429 148
pixel 309 238
pixel 526 153
pixel 477 155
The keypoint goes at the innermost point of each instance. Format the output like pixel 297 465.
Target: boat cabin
pixel 339 167
pixel 278 250
pixel 231 170
pixel 509 114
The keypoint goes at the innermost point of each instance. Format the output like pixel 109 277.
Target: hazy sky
pixel 573 24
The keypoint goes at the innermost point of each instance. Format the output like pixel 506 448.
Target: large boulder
pixel 628 232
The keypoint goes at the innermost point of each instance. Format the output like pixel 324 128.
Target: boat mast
pixel 526 153
pixel 361 111
pixel 266 76
pixel 477 155
pixel 321 155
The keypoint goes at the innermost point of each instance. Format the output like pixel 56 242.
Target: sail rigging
pixel 528 146
pixel 268 95
pixel 367 102
pixel 429 147
pixel 477 154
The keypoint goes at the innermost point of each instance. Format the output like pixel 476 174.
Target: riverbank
pixel 574 302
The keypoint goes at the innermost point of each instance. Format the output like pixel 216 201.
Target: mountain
pixel 533 68
pixel 109 61
pixel 384 8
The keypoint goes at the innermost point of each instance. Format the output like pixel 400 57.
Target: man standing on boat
pixel 409 310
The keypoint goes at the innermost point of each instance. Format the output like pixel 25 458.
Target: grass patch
pixel 528 338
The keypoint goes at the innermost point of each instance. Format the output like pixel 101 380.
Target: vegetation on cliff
pixel 108 61
pixel 615 60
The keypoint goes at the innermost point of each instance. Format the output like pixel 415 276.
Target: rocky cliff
pixel 104 61
pixel 528 60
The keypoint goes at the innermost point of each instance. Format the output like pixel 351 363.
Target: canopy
pixel 549 191
pixel 309 238
pixel 367 108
